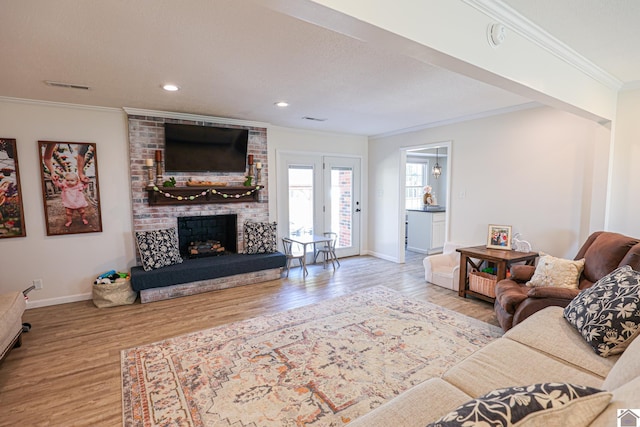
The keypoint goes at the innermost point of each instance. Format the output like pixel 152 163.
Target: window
pixel 417 174
pixel 300 200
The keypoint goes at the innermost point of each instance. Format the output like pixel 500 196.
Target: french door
pixel 317 194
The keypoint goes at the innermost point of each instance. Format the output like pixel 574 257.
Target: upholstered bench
pixel 12 306
pixel 199 275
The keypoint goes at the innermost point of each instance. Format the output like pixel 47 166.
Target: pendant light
pixel 437 169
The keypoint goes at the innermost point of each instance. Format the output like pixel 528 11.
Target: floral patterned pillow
pixel 535 405
pixel 158 248
pixel 260 237
pixel 608 313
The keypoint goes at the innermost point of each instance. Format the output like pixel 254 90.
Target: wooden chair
pixel 292 254
pixel 328 251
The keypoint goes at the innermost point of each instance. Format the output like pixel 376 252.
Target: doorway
pixel 318 194
pixel 417 170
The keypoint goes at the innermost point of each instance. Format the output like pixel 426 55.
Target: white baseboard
pixel 383 256
pixel 56 301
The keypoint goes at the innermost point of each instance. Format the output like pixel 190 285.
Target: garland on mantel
pixel 204 193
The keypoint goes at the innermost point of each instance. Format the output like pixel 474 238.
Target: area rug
pixel 320 365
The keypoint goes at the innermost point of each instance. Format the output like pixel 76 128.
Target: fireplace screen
pixel 211 235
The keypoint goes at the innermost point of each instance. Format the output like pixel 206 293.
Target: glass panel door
pixel 317 194
pixel 342 203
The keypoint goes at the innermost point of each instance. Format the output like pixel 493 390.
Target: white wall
pixel 542 171
pixel 625 173
pixel 67 264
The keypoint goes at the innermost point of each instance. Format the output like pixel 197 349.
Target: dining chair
pixel 328 251
pixel 291 254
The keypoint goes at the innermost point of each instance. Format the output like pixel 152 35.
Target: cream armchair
pixel 444 269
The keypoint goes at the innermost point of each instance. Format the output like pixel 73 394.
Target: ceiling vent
pixel 314 119
pixel 66 85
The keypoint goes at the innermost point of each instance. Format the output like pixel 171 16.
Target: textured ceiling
pixel 235 59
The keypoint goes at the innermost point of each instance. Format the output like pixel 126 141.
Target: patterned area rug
pixel 321 365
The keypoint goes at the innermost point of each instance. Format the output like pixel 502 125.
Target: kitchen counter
pixel 430 209
pixel 426 229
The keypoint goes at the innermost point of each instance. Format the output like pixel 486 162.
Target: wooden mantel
pixel 201 195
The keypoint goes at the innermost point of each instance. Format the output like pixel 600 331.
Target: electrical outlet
pixel 37 283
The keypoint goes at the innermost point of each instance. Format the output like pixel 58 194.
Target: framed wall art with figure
pixel 70 190
pixel 11 211
pixel 499 237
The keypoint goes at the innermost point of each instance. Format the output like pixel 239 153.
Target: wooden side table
pixel 501 258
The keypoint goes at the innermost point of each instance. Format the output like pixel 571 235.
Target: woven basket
pixel 113 294
pixel 483 283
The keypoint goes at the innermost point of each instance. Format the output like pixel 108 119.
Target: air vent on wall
pixel 66 85
pixel 314 119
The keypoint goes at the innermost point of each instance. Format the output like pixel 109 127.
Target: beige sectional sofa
pixel 12 305
pixel 543 348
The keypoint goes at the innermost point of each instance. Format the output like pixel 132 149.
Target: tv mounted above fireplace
pixel 191 148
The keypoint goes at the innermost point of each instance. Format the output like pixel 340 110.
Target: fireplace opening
pixel 211 235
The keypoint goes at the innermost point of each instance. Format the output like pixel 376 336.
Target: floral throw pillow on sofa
pixel 158 248
pixel 260 237
pixel 608 313
pixel 545 404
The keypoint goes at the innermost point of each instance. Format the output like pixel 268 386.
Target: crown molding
pixel 194 117
pixel 503 13
pixel 462 119
pixel 59 104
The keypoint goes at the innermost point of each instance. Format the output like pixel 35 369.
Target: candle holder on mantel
pixel 249 177
pixel 258 175
pixel 149 169
pixel 159 177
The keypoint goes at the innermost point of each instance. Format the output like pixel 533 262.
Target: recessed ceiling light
pixel 170 87
pixel 281 104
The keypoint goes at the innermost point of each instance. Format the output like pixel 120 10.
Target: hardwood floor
pixel 67 372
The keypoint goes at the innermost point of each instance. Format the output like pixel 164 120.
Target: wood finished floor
pixel 67 372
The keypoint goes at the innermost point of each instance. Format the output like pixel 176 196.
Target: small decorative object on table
pixel 520 245
pixel 499 237
pixel 428 198
pixel 171 182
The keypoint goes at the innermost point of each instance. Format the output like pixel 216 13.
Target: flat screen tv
pixel 191 148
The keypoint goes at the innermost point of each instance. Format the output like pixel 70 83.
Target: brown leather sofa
pixel 603 252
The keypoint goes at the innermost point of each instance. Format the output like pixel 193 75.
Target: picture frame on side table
pixel 11 210
pixel 499 237
pixel 70 190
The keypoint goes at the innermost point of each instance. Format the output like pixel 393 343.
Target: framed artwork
pixel 499 237
pixel 11 212
pixel 70 190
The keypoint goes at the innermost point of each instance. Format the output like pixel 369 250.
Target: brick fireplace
pixel 146 135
